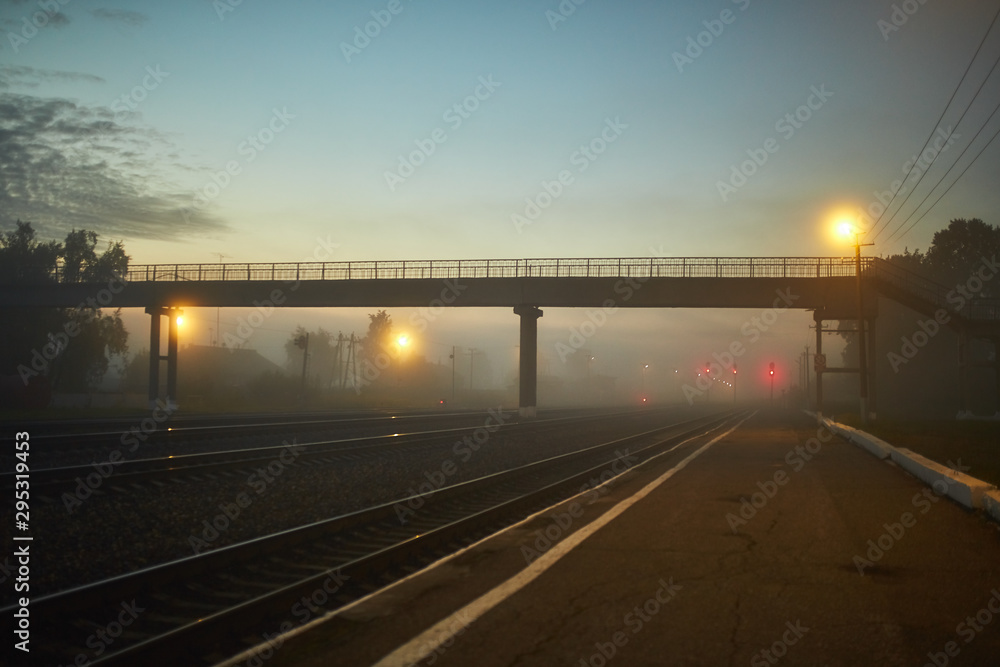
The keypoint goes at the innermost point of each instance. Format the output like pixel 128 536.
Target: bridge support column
pixel 528 363
pixel 155 358
pixel 173 314
pixel 996 373
pixel 154 355
pixel 963 404
pixel 872 370
pixel 818 319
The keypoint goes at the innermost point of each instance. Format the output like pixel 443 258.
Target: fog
pixel 585 356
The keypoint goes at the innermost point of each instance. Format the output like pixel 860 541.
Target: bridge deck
pixel 824 283
pixel 724 282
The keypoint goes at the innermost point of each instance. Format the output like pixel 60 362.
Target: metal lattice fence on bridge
pixel 634 267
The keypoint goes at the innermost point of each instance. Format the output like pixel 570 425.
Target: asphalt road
pixel 767 548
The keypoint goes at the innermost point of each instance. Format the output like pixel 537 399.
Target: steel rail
pixel 209 626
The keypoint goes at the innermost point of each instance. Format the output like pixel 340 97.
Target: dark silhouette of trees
pixel 321 366
pixel 378 340
pixel 960 249
pixel 69 347
pixel 954 257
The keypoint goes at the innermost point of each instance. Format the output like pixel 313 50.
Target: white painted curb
pixel 991 503
pixel 875 446
pixel 967 490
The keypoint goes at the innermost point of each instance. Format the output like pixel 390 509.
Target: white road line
pixel 444 631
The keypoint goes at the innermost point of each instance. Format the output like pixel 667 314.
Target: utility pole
pixel 862 342
pixel 472 366
pixel 807 377
pixel 453 373
pixel 352 362
pixel 303 342
pixel 338 359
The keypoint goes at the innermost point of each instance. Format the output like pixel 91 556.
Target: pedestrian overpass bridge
pixel 829 286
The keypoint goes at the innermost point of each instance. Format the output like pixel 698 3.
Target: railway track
pixel 200 609
pixel 170 467
pixel 174 437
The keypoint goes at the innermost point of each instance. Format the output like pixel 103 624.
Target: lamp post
pixel 402 341
pixel 862 341
pixel 849 229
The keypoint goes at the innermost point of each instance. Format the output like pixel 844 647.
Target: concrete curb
pixel 969 491
pixel 879 448
pixel 991 503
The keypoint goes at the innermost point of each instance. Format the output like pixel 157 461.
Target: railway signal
pixel 772 382
pixel 734 385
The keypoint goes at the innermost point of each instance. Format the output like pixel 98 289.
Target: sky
pixel 259 131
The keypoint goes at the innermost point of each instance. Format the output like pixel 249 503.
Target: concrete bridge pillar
pixel 154 355
pixel 528 389
pixel 963 403
pixel 818 319
pixel 996 373
pixel 155 313
pixel 871 371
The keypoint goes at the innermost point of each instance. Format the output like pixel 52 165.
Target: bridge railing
pixel 628 267
pixel 934 293
pixel 909 281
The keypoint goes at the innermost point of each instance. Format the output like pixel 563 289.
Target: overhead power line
pixel 981 150
pixel 936 125
pixel 953 164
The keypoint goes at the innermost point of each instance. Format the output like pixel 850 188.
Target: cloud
pixel 30 77
pixel 120 15
pixel 64 165
pixel 28 10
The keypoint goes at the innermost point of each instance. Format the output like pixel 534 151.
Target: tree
pixel 954 256
pixel 378 340
pixel 25 260
pixel 321 366
pixel 71 347
pixel 957 251
pixel 81 263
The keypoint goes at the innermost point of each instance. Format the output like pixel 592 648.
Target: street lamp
pixel 849 229
pixel 643 385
